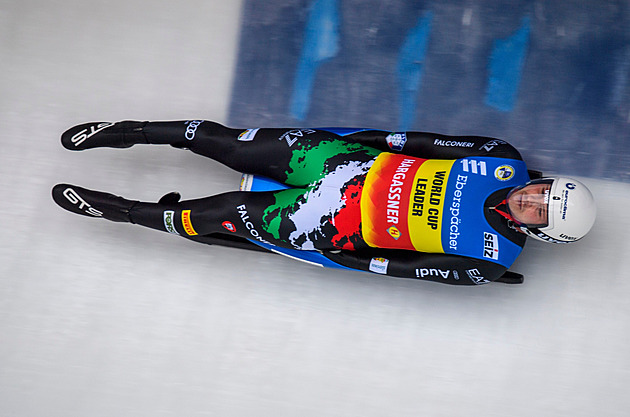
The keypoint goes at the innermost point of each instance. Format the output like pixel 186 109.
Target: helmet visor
pixel 529 203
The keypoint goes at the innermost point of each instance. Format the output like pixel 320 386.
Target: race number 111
pixel 474 166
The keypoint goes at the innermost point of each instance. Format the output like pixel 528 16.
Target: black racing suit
pixel 321 210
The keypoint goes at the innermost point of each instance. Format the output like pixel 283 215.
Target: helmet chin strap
pixel 505 213
pixel 512 222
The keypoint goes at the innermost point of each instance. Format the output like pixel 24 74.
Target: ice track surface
pixel 103 319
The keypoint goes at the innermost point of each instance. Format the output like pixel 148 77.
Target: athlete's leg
pixel 241 214
pixel 298 218
pixel 297 157
pixel 264 151
pixel 234 213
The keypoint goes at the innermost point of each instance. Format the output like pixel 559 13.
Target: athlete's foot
pixel 104 134
pixel 92 203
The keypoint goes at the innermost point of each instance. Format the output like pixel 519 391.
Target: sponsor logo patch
pixel 490 246
pixel 454 210
pixel 242 210
pixel 564 204
pixel 84 134
pixel 191 129
pixel 247 180
pixel 488 146
pixel 394 232
pixel 73 197
pixel 476 277
pixel 248 135
pixel 188 227
pixel 434 272
pixel 379 265
pixel 229 226
pixel 455 143
pixel 294 135
pixel 504 172
pixel 396 141
pixel 543 236
pixel 169 222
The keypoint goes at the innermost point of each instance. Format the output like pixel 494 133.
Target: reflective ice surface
pixel 102 319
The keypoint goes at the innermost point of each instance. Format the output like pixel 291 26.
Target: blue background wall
pixel 550 77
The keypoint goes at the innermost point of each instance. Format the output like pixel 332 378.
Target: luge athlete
pixel 421 205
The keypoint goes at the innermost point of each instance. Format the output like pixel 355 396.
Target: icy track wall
pixel 99 319
pixel 550 77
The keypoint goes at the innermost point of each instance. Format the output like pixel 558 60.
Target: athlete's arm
pixel 434 146
pixel 448 269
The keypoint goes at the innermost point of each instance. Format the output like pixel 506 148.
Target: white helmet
pixel 570 214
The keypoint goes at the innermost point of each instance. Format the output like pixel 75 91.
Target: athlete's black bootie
pixel 92 203
pixel 104 135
